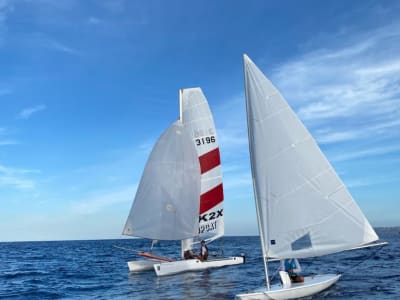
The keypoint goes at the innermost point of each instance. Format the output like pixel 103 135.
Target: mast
pixel 260 229
pixel 187 243
pixel 181 105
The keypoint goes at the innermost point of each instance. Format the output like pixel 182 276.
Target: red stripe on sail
pixel 209 160
pixel 211 198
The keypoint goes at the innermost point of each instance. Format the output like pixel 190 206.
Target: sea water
pixel 97 270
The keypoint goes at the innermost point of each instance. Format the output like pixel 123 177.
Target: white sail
pixel 197 118
pixel 166 204
pixel 304 209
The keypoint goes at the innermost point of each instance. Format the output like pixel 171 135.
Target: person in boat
pixel 203 251
pixel 292 267
pixel 188 254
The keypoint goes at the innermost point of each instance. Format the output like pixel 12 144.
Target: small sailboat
pixel 303 207
pixel 180 196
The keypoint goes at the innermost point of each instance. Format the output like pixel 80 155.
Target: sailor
pixel 292 266
pixel 188 254
pixel 203 251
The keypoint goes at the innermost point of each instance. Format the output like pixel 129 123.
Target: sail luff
pixel 252 162
pixel 292 178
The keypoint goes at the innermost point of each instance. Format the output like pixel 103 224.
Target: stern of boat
pixel 311 285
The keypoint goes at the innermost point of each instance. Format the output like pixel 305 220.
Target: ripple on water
pixel 96 270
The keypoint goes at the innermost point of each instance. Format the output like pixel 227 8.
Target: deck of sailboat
pixel 310 286
pixel 169 268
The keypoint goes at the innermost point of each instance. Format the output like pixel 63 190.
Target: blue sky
pixel 86 88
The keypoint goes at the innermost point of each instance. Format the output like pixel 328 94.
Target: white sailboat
pixel 303 208
pixel 180 195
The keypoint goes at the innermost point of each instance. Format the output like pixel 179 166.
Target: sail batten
pixel 304 208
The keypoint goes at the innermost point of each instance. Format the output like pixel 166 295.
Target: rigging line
pixel 373 254
pixel 146 254
pixel 367 258
pixel 276 272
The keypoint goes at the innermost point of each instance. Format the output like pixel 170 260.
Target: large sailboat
pixel 303 207
pixel 180 196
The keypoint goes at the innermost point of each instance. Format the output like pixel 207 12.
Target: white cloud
pixel 8 142
pixel 17 178
pixel 359 182
pixel 18 183
pixel 147 146
pixel 232 137
pixel 29 111
pixel 94 20
pixel 342 93
pixel 8 170
pixel 329 135
pixel 239 180
pixel 103 200
pixel 43 40
pixel 350 91
pixel 377 151
pixel 4 141
pixel 55 45
pixel 368 182
pixel 5 8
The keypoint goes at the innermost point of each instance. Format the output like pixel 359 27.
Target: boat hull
pixel 169 268
pixel 311 285
pixel 141 265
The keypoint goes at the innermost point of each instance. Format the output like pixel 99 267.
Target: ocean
pixel 94 269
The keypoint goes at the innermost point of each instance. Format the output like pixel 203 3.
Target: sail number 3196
pixel 205 140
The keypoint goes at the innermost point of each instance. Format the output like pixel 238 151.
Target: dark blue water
pixel 96 270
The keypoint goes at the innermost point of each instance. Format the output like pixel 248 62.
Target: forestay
pixel 166 204
pixel 197 118
pixel 304 208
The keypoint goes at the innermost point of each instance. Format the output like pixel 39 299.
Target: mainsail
pixel 166 204
pixel 304 209
pixel 197 118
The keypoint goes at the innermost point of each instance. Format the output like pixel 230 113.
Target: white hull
pixel 311 285
pixel 169 268
pixel 141 265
